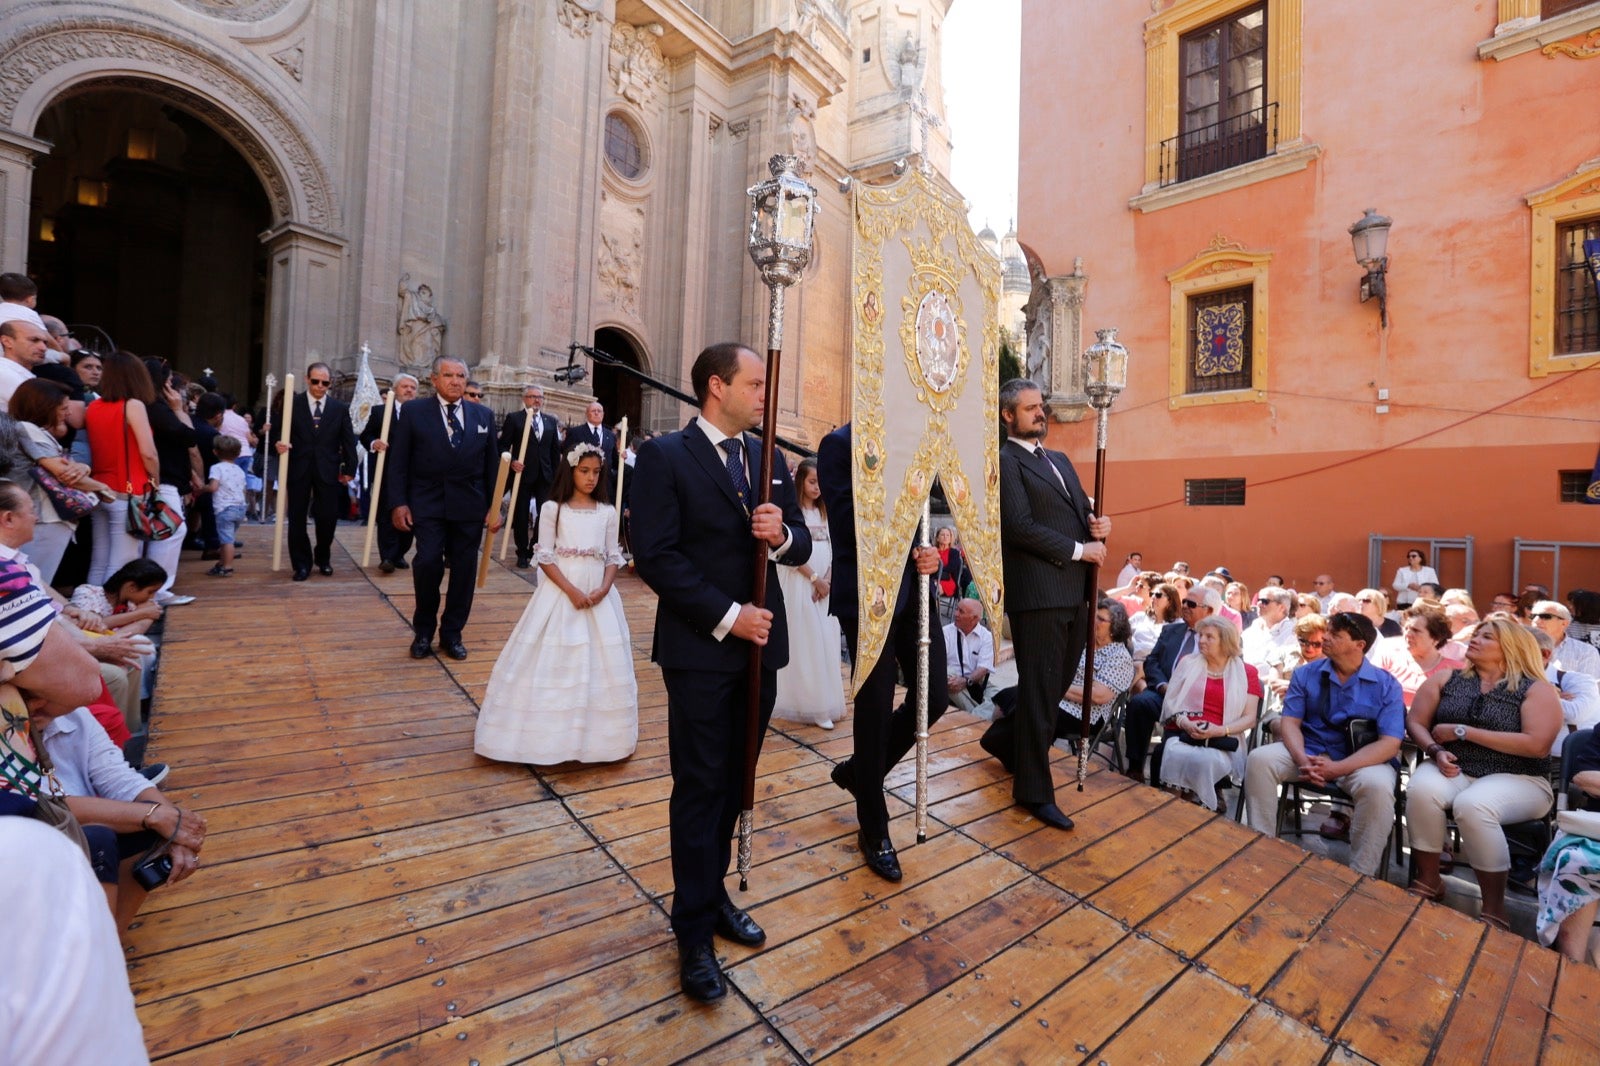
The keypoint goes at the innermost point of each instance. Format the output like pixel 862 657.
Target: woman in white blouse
pixel 1412 576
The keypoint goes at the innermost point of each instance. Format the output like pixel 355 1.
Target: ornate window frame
pixel 1284 50
pixel 1574 198
pixel 1223 265
pixel 1521 28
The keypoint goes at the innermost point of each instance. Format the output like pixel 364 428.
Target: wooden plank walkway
pixel 372 890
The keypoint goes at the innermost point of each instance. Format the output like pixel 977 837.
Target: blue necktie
pixel 741 482
pixel 455 425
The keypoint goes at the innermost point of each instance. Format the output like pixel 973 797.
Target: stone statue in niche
pixel 421 327
pixel 620 262
pixel 802 132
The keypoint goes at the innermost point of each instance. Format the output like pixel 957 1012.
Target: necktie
pixel 455 425
pixel 961 654
pixel 1045 459
pixel 316 415
pixel 741 482
pixel 538 428
pixel 1187 647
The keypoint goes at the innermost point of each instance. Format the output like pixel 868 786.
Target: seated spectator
pixel 1421 650
pixel 1461 618
pixel 1177 640
pixel 969 653
pixel 1429 590
pixel 126 603
pixel 953 574
pixel 1114 671
pixel 1162 609
pixel 1237 596
pixel 1503 601
pixel 1579 693
pixel 1181 568
pixel 1532 593
pixel 1570 653
pixel 1340 602
pixel 1132 567
pixel 226 487
pixel 122 813
pixel 1183 581
pixel 1585 615
pixel 1309 634
pixel 1275 581
pixel 1211 703
pixel 1316 743
pixel 1322 586
pixel 1134 595
pixel 1409 579
pixel 40 410
pixel 1374 605
pixel 1304 604
pixel 1485 732
pixel 1272 630
pixel 1569 874
pixel 1217 583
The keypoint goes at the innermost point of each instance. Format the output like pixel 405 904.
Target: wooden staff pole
pixel 377 482
pixel 516 482
pixel 622 467
pixel 494 506
pixel 1097 509
pixel 283 472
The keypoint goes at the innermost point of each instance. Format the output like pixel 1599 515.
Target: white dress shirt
pixel 1580 702
pixel 966 653
pixel 1260 640
pixel 1579 655
pixel 716 437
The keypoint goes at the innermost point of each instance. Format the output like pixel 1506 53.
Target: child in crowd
pixel 126 603
pixel 563 688
pixel 227 500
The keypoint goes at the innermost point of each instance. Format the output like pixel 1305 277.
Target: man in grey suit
pixel 1047 538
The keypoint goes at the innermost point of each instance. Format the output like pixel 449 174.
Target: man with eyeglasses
pixel 1177 640
pixel 1570 654
pixel 393 544
pixel 474 392
pixel 538 467
pixel 322 460
pixel 1323 590
pixel 1273 628
pixel 1318 743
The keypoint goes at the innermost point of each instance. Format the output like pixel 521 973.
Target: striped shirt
pixel 25 615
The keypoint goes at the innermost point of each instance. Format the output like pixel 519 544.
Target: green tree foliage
pixel 1010 362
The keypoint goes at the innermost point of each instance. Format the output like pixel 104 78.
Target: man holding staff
pixel 322 460
pixel 392 543
pixel 537 468
pixel 440 478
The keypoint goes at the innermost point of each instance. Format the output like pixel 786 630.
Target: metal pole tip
pixel 744 885
pixel 922 838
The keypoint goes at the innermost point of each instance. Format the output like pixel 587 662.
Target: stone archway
pixel 48 54
pixel 620 392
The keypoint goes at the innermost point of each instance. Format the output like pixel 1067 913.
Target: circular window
pixel 624 146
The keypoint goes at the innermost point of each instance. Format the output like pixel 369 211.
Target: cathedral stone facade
pixel 247 185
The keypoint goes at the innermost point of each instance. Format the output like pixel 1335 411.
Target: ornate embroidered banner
pixel 925 399
pixel 1219 340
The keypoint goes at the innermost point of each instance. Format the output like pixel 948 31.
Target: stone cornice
pixel 1286 160
pixel 1541 34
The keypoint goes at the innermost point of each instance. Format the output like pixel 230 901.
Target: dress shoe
pixel 524 562
pixel 453 647
pixel 401 564
pixel 699 974
pixel 301 573
pixel 421 647
pixel 1049 814
pixel 325 570
pixel 735 925
pixel 840 775
pixel 387 566
pixel 880 858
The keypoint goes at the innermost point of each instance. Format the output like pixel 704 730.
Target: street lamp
pixel 783 212
pixel 1370 238
pixel 1105 371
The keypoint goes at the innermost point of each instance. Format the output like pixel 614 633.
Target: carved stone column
pixel 304 275
pixel 17 153
pixel 1068 400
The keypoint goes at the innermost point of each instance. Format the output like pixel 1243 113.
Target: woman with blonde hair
pixel 1375 605
pixel 1210 705
pixel 1485 732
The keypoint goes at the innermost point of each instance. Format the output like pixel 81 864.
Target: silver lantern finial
pixel 1105 369
pixel 783 212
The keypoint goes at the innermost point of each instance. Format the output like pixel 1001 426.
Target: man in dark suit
pixel 538 468
pixel 592 430
pixel 696 524
pixel 883 732
pixel 322 460
pixel 443 468
pixel 1047 538
pixel 392 544
pixel 1176 640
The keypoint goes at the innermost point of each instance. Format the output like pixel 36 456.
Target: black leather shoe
pixel 301 574
pixel 325 570
pixel 421 647
pixel 840 775
pixel 699 974
pixel 453 647
pixel 401 564
pixel 735 925
pixel 524 562
pixel 386 566
pixel 1049 814
pixel 880 858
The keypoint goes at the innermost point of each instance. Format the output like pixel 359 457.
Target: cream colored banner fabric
pixel 926 391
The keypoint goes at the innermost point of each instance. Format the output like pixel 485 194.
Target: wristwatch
pixel 1461 732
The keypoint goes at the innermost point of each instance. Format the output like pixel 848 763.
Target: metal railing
pixel 1236 140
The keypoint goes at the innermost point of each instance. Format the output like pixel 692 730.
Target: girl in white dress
pixel 563 687
pixel 810 688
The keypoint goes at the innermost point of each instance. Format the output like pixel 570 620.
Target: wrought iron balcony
pixel 1236 140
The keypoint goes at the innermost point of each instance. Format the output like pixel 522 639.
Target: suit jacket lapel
pixel 1031 463
pixel 710 459
pixel 1075 493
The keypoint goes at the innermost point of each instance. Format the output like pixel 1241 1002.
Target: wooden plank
pixel 1320 983
pixel 1184 1025
pixel 1210 906
pixel 1268 1037
pixel 1257 947
pixel 672 1032
pixel 1572 1035
pixel 1522 1023
pixel 1475 1018
pixel 1112 856
pixel 1401 1012
pixel 1142 891
pixel 990 995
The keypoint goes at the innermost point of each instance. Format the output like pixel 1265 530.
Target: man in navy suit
pixel 592 430
pixel 883 732
pixel 322 460
pixel 1048 536
pixel 392 544
pixel 443 468
pixel 1176 640
pixel 538 468
pixel 695 528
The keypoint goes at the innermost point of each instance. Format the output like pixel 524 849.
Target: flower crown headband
pixel 580 450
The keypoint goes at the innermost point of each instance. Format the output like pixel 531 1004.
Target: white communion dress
pixel 810 688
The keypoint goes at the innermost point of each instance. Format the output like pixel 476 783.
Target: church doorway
pixel 145 232
pixel 620 392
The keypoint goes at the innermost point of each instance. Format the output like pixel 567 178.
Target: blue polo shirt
pixel 1324 705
